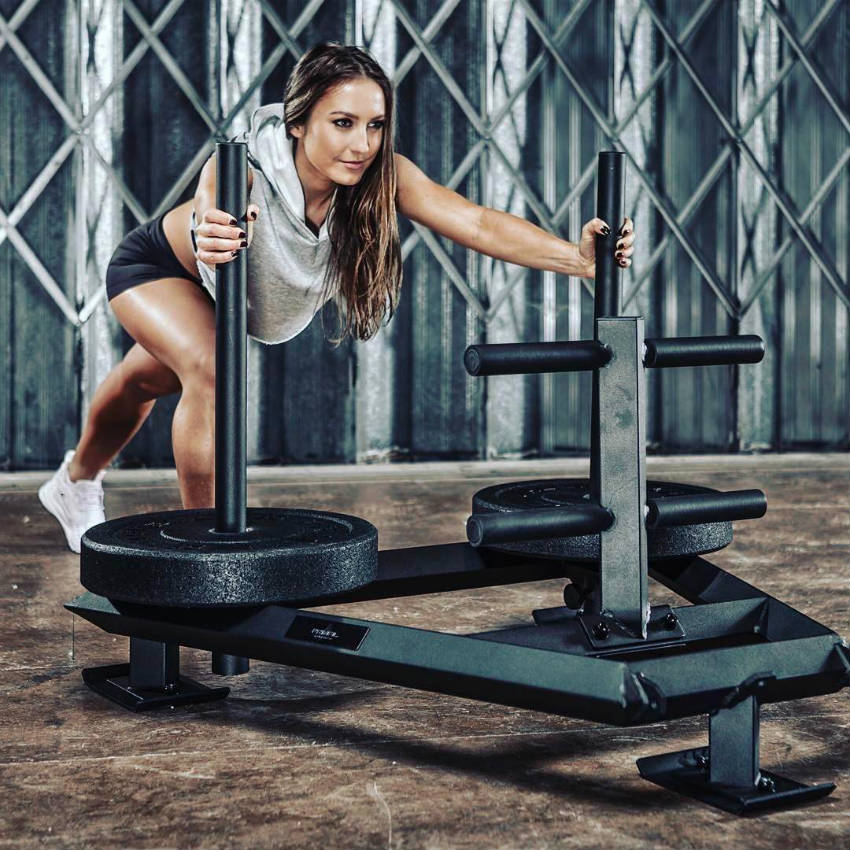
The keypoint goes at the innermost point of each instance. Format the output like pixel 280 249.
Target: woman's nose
pixel 360 143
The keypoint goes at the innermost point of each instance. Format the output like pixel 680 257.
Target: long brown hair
pixel 365 263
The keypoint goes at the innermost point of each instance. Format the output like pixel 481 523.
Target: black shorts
pixel 143 255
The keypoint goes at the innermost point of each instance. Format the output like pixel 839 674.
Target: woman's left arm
pixel 500 234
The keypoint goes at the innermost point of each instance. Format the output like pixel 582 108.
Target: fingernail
pixel 618 255
pixel 620 245
pixel 606 231
pixel 253 215
pixel 233 221
pixel 234 253
pixel 242 234
pixel 243 244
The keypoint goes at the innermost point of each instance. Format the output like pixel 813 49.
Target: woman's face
pixel 346 125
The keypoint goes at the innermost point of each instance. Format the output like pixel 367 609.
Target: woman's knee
pixel 145 377
pixel 198 370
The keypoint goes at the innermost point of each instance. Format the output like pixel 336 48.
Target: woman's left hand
pixel 250 217
pixel 622 251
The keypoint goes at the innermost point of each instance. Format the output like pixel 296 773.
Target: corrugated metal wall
pixel 734 116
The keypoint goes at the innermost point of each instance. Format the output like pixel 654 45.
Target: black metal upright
pixel 610 173
pixel 231 356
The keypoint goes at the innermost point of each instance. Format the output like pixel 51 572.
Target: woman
pixel 324 188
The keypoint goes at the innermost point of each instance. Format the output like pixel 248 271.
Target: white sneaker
pixel 77 505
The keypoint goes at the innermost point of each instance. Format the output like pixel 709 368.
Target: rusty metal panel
pixel 512 401
pixel 639 64
pixel 166 120
pixel 312 411
pixel 435 130
pixel 587 48
pixel 696 405
pixel 814 396
pixel 758 116
pixel 95 41
pixel 38 327
pixel 376 437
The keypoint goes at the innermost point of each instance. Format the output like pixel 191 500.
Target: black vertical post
pixel 610 173
pixel 231 355
pixel 609 207
pixel 154 665
pixel 733 739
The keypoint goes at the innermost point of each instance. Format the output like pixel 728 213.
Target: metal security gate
pixel 734 116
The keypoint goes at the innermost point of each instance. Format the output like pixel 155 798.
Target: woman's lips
pixel 354 166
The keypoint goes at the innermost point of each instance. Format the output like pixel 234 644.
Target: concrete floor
pixel 296 758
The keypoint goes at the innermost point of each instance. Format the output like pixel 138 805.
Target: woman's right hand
pixel 219 237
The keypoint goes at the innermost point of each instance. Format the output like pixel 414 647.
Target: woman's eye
pixel 345 122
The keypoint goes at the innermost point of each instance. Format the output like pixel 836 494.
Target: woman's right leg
pixel 173 320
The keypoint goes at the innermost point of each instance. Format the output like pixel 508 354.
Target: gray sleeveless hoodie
pixel 286 260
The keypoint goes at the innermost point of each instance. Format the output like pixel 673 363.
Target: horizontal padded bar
pixel 703 351
pixel 537 524
pixel 523 358
pixel 697 508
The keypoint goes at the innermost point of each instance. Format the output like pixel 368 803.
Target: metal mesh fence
pixel 734 117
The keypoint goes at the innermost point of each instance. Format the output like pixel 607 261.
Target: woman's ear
pixel 296 131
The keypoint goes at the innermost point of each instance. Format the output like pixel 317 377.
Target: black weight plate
pixel 177 558
pixel 662 543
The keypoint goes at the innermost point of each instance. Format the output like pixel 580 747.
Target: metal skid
pixel 611 657
pixel 752 649
pixel 607 655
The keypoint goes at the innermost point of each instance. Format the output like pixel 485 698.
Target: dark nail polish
pixel 618 255
pixel 243 244
pixel 233 221
pixel 242 234
pixel 234 253
pixel 620 245
pixel 606 231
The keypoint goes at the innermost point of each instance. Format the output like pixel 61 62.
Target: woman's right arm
pixel 218 236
